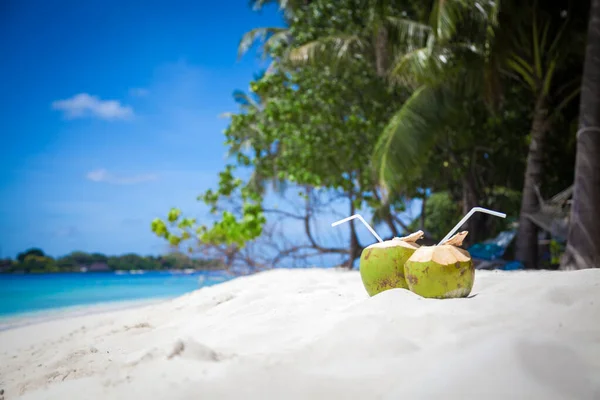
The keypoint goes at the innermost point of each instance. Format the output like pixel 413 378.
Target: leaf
pixel 268 36
pixel 523 73
pixel 330 49
pixel 411 34
pixel 245 100
pixel 411 133
pixel 437 64
pixel 544 37
pixel 548 77
pixel 524 64
pixel 445 16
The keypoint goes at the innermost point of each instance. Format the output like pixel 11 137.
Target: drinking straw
pixel 466 217
pixel 341 221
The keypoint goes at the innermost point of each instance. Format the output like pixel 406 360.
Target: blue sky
pixel 110 116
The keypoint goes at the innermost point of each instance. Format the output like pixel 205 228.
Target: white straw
pixel 341 221
pixel 466 217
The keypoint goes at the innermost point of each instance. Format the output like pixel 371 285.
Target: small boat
pixel 136 272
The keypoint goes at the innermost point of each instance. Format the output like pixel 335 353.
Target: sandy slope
pixel 300 334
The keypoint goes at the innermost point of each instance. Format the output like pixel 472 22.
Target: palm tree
pixel 583 242
pixel 459 54
pixel 535 53
pixel 388 36
pixel 521 46
pixel 451 70
pixel 271 37
pixel 383 27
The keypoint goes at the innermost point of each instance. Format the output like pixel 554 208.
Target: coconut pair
pixel 442 271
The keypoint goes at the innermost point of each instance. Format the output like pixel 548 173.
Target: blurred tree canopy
pixel 36 261
pixel 456 103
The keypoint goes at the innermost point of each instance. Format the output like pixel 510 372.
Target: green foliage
pixel 507 200
pixel 406 143
pixel 557 249
pixel 36 264
pixel 35 261
pixel 314 126
pixel 367 95
pixel 230 229
pixel 442 213
pixel 30 252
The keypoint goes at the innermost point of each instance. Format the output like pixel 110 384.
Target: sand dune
pixel 300 334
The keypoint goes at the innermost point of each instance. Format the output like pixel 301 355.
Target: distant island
pixel 36 261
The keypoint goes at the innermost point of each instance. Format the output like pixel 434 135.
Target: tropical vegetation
pixel 34 260
pixel 374 104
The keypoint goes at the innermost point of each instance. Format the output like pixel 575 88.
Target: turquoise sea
pixel 22 294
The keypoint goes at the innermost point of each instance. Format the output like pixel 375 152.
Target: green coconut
pixel 382 264
pixel 441 272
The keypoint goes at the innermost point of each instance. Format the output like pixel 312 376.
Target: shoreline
pixel 23 319
pixel 81 304
pixel 187 271
pixel 315 333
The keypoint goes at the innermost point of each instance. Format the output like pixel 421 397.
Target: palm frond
pixel 269 37
pixel 408 33
pixel 246 101
pixel 238 147
pixel 288 6
pixel 480 16
pixel 330 49
pixel 227 114
pixel 548 76
pixel 438 63
pixel 259 4
pixel 515 63
pixel 537 49
pixel 445 16
pixel 412 67
pixel 411 133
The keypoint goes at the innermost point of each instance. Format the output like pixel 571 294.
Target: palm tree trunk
pixel 381 52
pixel 354 251
pixel 470 199
pixel 583 241
pixel 527 241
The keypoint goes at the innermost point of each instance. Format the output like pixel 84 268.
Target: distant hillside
pixel 36 261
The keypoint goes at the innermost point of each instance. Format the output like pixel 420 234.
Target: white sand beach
pixel 315 334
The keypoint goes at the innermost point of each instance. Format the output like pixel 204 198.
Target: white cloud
pixel 139 92
pixel 84 105
pixel 102 175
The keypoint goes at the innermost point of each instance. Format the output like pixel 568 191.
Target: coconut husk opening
pixel 457 240
pixel 413 237
pixel 408 242
pixel 444 254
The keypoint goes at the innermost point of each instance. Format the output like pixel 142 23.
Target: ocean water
pixel 21 294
